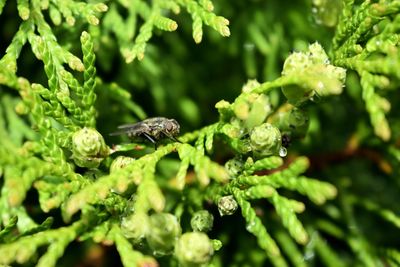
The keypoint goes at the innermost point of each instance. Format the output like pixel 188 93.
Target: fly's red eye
pixel 169 126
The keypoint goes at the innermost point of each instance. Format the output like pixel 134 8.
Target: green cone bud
pixel 120 162
pixel 135 226
pixel 217 244
pixel 164 231
pixel 227 205
pixel 202 221
pixel 88 148
pixel 265 140
pixel 194 249
pixel 234 167
pixel 318 76
pixel 294 121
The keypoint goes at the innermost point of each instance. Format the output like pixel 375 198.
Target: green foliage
pixel 371 54
pixel 283 177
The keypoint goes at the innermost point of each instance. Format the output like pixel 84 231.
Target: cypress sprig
pixel 374 107
pixel 156 199
pixel 23 249
pixel 145 33
pixel 202 13
pixel 101 188
pixel 141 172
pixel 370 54
pixel 171 5
pixel 45 225
pixel 53 107
pixel 6 230
pixel 255 226
pixel 89 75
pixel 290 248
pixel 17 192
pixel 55 15
pixel 23 9
pixel 129 256
pixel 289 178
pixel 327 255
pixel 154 16
pixel 342 28
pixel 386 214
pixel 203 166
pixel 285 210
pixel 2 3
pixel 54 252
pixel 55 53
pixel 358 244
pixel 393 256
pixel 259 192
pixel 83 113
pixel 99 233
pixel 246 187
pixel 14 49
pixel 267 163
pixel 73 10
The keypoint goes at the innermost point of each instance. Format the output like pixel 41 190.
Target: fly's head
pixel 172 127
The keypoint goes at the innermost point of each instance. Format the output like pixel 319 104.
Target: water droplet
pixel 282 152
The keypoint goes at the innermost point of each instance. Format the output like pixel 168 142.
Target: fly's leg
pixel 171 137
pixel 150 139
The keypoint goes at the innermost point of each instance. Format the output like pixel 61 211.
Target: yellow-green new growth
pixel 202 221
pixel 367 42
pixel 135 226
pixel 265 140
pixel 88 148
pixel 129 256
pixel 317 76
pixel 193 249
pixel 164 232
pixel 227 205
pixel 133 37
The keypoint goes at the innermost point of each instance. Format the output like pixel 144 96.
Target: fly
pixel 153 129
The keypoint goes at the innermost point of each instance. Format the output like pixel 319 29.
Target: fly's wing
pixel 132 129
pixel 141 125
pixel 129 125
pixel 118 133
